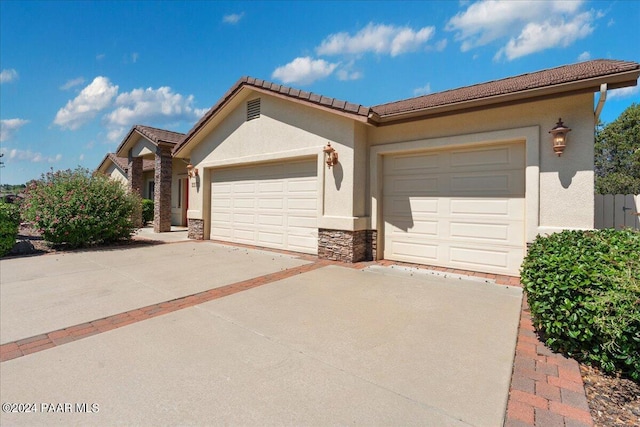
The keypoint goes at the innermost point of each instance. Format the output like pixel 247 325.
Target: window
pixel 253 109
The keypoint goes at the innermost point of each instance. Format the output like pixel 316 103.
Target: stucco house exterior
pixel 464 178
pixel 144 162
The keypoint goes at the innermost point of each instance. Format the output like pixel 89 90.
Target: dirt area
pixel 614 401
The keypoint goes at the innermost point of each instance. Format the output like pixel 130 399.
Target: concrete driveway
pixel 270 339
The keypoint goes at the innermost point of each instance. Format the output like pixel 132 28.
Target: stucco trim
pixel 530 136
pixel 283 156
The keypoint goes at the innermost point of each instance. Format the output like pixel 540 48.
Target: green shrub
pixel 583 289
pixel 9 222
pixel 77 208
pixel 147 210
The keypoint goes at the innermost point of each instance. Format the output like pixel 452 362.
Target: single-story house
pixel 464 178
pixel 153 172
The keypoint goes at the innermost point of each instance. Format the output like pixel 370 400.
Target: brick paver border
pixel 546 388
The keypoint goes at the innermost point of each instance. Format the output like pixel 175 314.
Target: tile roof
pixel 159 135
pixel 123 163
pixel 375 115
pixel 524 82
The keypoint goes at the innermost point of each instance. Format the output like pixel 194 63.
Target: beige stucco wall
pixel 565 190
pixel 287 131
pixel 559 189
pixel 116 174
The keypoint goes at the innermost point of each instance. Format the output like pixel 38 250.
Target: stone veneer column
pixel 134 174
pixel 162 196
pixel 345 246
pixel 195 229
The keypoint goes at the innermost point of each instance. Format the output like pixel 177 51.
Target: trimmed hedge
pixel 78 208
pixel 9 222
pixel 583 289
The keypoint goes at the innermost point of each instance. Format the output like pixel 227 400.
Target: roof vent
pixel 253 109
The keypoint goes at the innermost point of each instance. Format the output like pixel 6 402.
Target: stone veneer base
pixel 195 229
pixel 346 246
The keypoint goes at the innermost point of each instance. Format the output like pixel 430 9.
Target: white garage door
pixel 460 209
pixel 272 205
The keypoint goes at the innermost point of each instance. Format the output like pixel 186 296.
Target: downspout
pixel 601 101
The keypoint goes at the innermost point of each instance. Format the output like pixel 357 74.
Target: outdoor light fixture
pixel 191 171
pixel 559 137
pixel 331 155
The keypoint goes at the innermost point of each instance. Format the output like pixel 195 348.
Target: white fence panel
pixel 617 211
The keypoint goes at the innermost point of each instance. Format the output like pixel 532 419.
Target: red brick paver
pixel 546 388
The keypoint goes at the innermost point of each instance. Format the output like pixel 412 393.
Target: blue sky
pixel 75 76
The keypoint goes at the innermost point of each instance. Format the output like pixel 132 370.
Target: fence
pixel 617 211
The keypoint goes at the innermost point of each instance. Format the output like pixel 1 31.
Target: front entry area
pixel 462 208
pixel 269 205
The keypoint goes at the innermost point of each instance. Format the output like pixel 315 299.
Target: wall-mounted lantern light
pixel 559 137
pixel 191 171
pixel 331 155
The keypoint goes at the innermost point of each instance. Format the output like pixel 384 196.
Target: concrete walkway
pixel 216 334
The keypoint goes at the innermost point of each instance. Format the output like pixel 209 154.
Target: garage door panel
pixel 306 204
pixel 416 251
pixel 304 222
pixel 243 203
pixel 307 186
pixel 489 157
pixel 474 216
pixel 271 187
pixel 273 205
pixel 417 162
pixel 480 256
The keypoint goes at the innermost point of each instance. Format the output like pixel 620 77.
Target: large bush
pixel 583 289
pixel 147 210
pixel 9 222
pixel 77 208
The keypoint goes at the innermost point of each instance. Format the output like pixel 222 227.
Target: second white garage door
pixel 462 208
pixel 271 205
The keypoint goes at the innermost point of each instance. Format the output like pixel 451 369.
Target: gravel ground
pixel 614 401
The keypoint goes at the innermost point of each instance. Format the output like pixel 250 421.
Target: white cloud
pixel 10 126
pixel 72 83
pixel 424 90
pixel 625 92
pixel 150 106
pixel 31 156
pixel 531 26
pixel 346 75
pixel 9 75
pixel 376 38
pixel 304 70
pixel 441 45
pixel 134 57
pixel 100 56
pixel 584 56
pixel 92 99
pixel 536 37
pixel 233 18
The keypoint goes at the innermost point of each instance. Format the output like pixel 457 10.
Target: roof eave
pixel 614 81
pixel 192 138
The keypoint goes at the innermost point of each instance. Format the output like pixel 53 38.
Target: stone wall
pixel 162 197
pixel 195 229
pixel 346 246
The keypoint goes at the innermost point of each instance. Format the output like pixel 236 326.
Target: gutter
pixel 601 101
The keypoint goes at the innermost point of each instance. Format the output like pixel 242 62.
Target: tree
pixel 617 154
